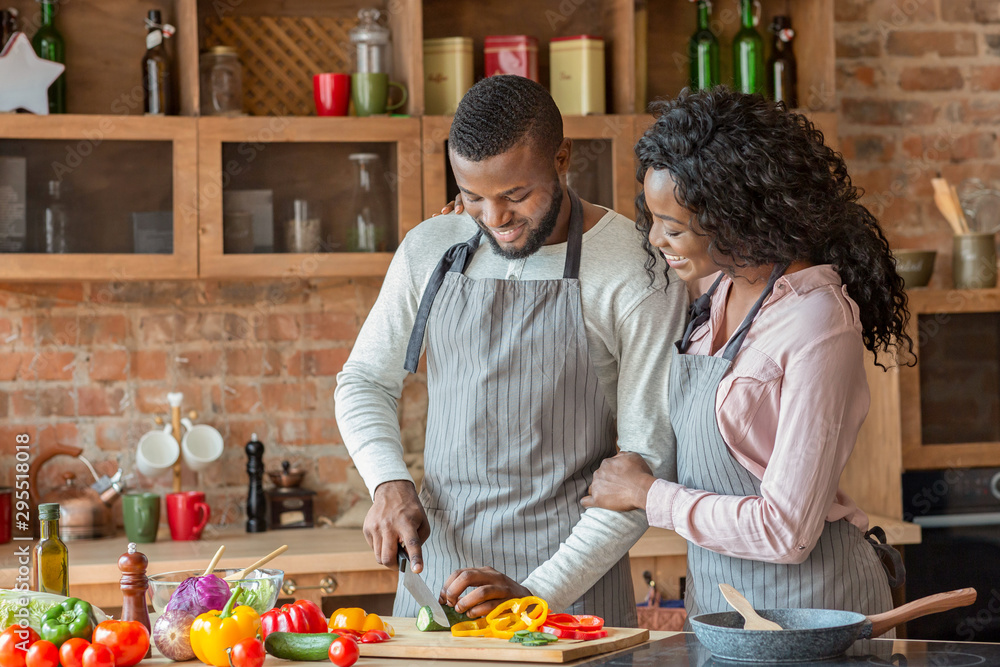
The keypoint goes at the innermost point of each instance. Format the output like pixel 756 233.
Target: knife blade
pixel 419 590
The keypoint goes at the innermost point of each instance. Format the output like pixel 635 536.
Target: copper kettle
pixel 85 510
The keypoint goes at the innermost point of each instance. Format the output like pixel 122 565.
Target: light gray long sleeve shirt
pixel 630 327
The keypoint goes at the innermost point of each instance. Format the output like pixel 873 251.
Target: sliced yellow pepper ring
pixel 533 611
pixel 503 608
pixel 506 625
pixel 477 628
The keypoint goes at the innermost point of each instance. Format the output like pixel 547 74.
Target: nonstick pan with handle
pixel 811 634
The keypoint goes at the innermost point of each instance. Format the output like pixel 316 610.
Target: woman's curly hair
pixel 767 190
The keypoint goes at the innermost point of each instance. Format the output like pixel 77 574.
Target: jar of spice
pixel 577 74
pixel 221 82
pixel 302 231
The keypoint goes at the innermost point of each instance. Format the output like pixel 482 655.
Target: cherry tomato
pixel 128 640
pixel 98 655
pixel 247 653
pixel 14 644
pixel 374 637
pixel 71 652
pixel 343 652
pixel 42 654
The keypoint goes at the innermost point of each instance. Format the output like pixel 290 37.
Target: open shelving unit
pixel 645 51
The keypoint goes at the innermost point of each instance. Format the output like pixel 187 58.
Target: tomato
pixel 375 637
pixel 98 655
pixel 71 652
pixel 42 654
pixel 247 653
pixel 343 652
pixel 14 644
pixel 128 640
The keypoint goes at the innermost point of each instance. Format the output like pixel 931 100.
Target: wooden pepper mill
pixel 256 502
pixel 134 584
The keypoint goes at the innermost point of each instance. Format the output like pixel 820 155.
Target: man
pixel 535 347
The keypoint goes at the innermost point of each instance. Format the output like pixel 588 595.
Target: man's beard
pixel 537 236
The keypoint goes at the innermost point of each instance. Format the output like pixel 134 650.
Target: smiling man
pixel 544 351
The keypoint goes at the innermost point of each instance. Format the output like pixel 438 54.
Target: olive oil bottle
pixel 50 559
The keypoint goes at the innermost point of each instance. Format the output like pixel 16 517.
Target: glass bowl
pixel 262 583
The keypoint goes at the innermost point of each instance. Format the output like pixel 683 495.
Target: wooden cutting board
pixel 411 643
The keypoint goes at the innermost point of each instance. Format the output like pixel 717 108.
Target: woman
pixel 767 387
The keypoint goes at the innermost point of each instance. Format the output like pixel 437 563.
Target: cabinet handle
pixel 327 585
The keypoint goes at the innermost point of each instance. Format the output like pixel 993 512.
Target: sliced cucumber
pixel 426 622
pixel 299 645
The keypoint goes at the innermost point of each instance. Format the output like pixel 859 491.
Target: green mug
pixel 142 516
pixel 370 93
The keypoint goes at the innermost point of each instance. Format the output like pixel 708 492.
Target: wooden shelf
pixel 253 135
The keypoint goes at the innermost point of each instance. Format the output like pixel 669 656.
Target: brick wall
pixel 918 83
pixel 90 365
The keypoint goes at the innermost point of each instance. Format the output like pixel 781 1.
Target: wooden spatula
pixel 263 561
pixel 752 620
pixel 947 204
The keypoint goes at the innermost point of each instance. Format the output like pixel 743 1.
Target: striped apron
pixel 516 425
pixel 842 572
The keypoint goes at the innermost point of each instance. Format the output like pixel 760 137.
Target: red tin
pixel 512 54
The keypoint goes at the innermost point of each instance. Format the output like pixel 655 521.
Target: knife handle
pixel 402 558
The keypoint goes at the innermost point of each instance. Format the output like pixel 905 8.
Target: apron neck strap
pixel 698 314
pixel 736 342
pixel 574 242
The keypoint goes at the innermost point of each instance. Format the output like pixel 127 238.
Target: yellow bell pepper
pixel 215 631
pixel 355 618
pixel 533 611
pixel 477 628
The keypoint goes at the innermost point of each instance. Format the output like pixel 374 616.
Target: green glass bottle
pixel 50 560
pixel 748 51
pixel 703 51
pixel 49 45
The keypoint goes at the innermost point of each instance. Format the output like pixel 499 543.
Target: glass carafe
pixel 372 42
pixel 368 224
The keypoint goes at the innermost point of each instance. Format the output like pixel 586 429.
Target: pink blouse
pixel 789 410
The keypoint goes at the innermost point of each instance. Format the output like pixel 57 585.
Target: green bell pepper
pixel 72 618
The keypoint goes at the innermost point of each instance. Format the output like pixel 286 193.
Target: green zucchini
pixel 300 645
pixel 426 622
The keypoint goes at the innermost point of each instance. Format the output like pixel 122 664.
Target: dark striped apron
pixel 842 572
pixel 516 425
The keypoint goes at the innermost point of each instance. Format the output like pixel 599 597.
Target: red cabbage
pixel 196 595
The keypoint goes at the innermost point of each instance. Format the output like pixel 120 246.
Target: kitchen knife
pixel 418 589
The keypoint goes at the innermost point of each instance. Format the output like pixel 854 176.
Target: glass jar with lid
pixel 372 42
pixel 221 82
pixel 368 221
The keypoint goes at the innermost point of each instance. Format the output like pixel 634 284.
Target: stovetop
pixel 684 650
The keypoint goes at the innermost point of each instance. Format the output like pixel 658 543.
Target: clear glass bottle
pixel 221 82
pixel 50 559
pixel 748 51
pixel 302 230
pixel 156 68
pixel 372 42
pixel 703 51
pixel 368 224
pixel 56 221
pixel 49 44
pixel 781 65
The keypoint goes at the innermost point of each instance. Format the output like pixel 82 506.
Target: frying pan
pixel 811 634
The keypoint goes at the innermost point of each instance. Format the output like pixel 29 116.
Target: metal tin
pixel 577 74
pixel 974 263
pixel 512 54
pixel 448 74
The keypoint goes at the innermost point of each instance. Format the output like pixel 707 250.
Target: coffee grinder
pixel 291 505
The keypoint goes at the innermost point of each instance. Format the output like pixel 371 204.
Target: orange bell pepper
pixel 355 618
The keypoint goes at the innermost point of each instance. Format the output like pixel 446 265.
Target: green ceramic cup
pixel 370 93
pixel 142 516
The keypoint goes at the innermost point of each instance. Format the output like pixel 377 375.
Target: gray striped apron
pixel 842 572
pixel 516 425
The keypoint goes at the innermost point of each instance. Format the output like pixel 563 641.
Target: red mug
pixel 332 93
pixel 187 514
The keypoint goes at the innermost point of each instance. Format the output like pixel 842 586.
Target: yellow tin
pixel 447 73
pixel 576 67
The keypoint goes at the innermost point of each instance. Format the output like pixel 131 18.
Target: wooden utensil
pixel 752 620
pixel 946 204
pixel 266 559
pixel 961 211
pixel 214 561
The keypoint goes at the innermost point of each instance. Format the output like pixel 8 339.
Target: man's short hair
pixel 500 112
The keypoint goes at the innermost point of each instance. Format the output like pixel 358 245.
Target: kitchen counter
pixel 339 555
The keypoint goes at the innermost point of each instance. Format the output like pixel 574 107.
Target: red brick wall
pixel 918 83
pixel 90 365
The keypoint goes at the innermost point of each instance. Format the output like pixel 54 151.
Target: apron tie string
pixel 887 555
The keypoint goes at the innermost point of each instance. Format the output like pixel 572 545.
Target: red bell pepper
pixel 300 616
pixel 568 626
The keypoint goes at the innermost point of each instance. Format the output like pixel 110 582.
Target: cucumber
pixel 426 622
pixel 299 645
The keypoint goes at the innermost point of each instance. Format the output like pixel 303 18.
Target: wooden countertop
pixel 325 550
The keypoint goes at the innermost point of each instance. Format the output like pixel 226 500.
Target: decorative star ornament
pixel 25 78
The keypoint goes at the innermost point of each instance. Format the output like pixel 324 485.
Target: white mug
pixel 156 453
pixel 202 445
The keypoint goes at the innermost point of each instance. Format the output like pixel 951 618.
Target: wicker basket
pixel 280 54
